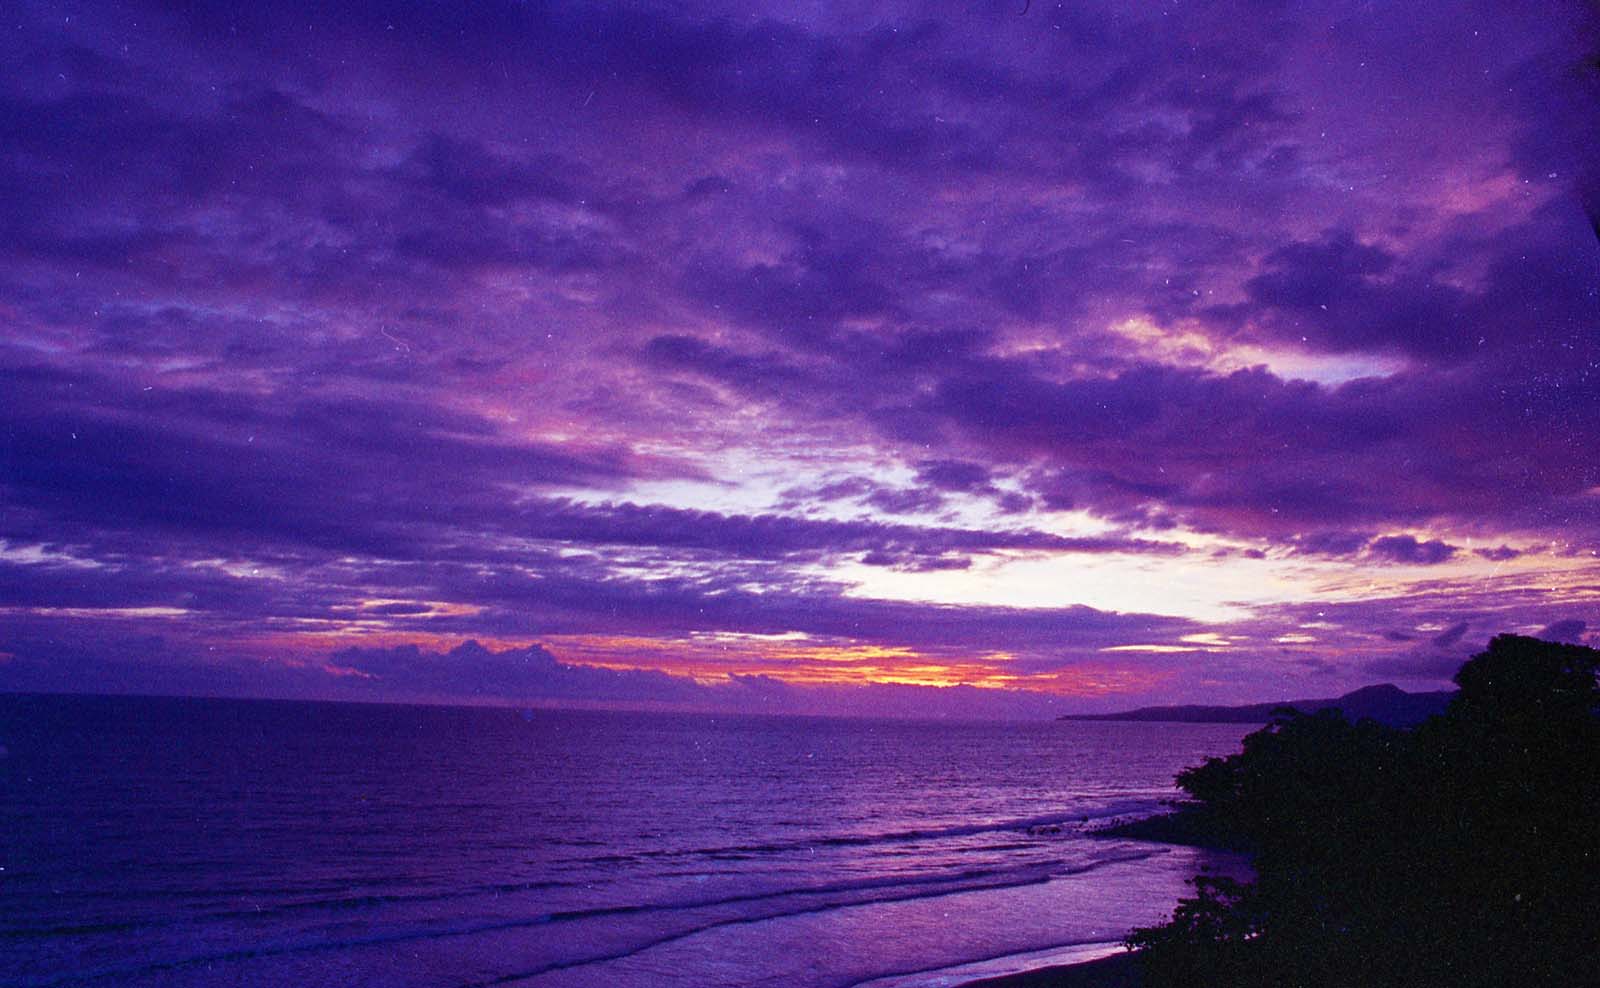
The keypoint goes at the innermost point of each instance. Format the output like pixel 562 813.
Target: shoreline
pixel 1119 970
pixel 1182 826
pixel 1187 826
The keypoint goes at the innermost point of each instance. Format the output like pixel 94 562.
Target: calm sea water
pixel 203 842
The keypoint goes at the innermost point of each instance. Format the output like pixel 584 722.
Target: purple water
pixel 209 842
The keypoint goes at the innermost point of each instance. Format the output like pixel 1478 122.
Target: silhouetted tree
pixel 1465 852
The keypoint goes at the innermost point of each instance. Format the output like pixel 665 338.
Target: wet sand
pixel 1116 971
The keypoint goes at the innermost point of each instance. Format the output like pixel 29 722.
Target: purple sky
pixel 1091 355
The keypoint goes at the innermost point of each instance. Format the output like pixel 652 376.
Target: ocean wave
pixel 277 910
pixel 1069 822
pixel 989 965
pixel 802 900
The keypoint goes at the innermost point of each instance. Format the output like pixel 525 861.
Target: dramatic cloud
pixel 1074 350
pixel 1570 630
pixel 530 673
pixel 1406 549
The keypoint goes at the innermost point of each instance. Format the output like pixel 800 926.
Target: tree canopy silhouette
pixel 1463 852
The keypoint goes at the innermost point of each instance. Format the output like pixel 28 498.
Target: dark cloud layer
pixel 506 321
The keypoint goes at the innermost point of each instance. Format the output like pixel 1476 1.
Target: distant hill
pixel 1386 704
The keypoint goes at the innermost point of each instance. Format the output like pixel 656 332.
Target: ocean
pixel 175 842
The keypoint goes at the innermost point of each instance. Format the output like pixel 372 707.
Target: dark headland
pixel 1386 703
pixel 1458 852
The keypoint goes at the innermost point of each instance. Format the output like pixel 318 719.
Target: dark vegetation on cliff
pixel 1464 851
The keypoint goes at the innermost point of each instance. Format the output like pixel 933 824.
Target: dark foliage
pixel 1464 852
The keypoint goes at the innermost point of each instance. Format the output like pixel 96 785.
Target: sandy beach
pixel 1116 971
pixel 1119 970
